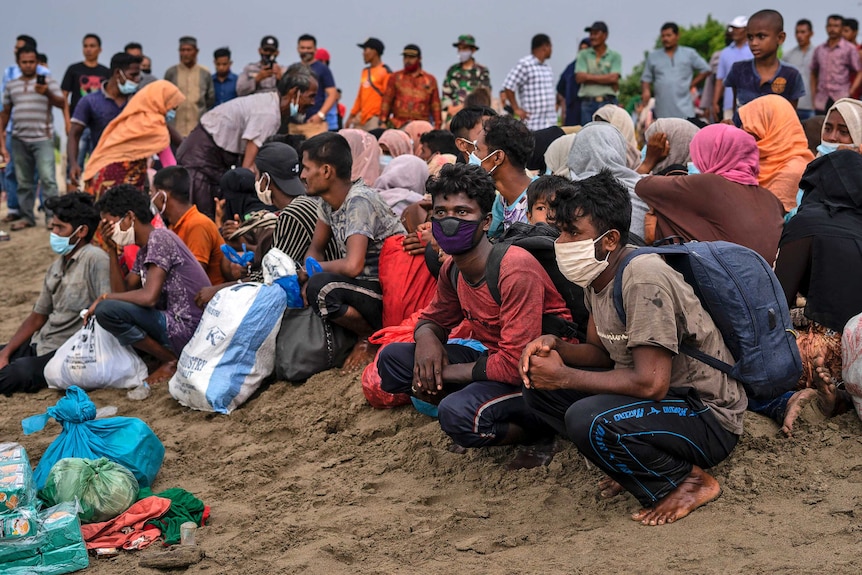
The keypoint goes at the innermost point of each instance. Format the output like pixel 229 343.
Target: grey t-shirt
pixel 69 287
pixel 662 310
pixel 363 212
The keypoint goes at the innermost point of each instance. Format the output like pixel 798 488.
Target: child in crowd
pixel 765 74
pixel 539 195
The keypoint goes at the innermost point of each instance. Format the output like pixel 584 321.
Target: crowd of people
pixel 400 216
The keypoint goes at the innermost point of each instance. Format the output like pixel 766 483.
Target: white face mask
pixel 464 55
pixel 265 194
pixel 123 237
pixel 577 261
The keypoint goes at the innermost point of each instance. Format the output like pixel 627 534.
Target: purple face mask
pixel 454 235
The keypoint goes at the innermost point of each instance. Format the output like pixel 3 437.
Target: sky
pixel 502 28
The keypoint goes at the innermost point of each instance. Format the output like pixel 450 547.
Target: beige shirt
pixel 69 287
pixel 196 84
pixel 662 310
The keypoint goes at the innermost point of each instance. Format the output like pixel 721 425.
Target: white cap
pixel 739 22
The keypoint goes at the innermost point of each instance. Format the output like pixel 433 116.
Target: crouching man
pixel 479 394
pixel 650 417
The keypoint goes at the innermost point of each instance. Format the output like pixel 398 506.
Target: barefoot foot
pixel 795 405
pixel 363 353
pixel 608 488
pixel 699 488
pixel 163 373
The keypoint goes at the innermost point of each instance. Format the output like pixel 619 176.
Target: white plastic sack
pixel 94 359
pixel 232 350
pixel 851 361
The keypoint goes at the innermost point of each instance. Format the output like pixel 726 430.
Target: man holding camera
pixel 261 76
pixel 31 96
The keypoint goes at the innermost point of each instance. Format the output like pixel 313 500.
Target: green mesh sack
pixel 104 489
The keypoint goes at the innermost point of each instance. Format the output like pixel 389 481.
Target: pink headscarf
pixel 397 142
pixel 415 129
pixel 728 152
pixel 366 155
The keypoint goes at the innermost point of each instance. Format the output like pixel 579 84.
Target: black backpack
pixel 538 240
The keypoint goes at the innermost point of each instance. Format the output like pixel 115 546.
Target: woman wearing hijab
pixel 622 121
pixel 544 139
pixel 394 143
pixel 842 126
pixel 723 201
pixel 139 132
pixel 821 259
pixel 402 183
pixel 557 155
pixel 679 134
pixel 415 129
pixel 784 152
pixel 598 146
pixel 366 155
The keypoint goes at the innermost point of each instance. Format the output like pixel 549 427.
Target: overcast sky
pixel 502 28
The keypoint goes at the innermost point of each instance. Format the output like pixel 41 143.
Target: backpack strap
pixel 684 348
pixel 492 270
pixel 371 83
pixel 454 272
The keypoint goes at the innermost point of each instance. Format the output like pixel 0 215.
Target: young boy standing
pixel 765 74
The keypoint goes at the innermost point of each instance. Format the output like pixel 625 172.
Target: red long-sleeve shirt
pixel 527 293
pixel 411 97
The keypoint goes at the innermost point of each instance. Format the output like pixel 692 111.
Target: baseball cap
pixel 412 50
pixel 374 44
pixel 739 22
pixel 281 162
pixel 467 39
pixel 269 42
pixel 322 55
pixel 599 26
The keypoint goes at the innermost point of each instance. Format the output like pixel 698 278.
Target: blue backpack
pixel 742 295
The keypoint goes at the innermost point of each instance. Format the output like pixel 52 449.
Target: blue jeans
pixel 33 158
pixel 590 106
pixel 10 184
pixel 476 415
pixel 131 323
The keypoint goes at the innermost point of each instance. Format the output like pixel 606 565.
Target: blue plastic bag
pixel 124 440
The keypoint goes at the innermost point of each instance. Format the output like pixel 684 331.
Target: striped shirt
pixel 33 119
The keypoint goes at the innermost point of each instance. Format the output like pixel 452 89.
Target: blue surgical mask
pixel 692 169
pixel 643 153
pixel 385 160
pixel 294 107
pixel 474 160
pixel 171 115
pixel 61 245
pixel 127 87
pixel 826 148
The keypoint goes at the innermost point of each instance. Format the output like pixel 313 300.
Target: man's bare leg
pixel 363 352
pixel 698 489
pixel 166 358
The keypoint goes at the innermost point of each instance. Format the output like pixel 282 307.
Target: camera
pixel 268 61
pixel 40 79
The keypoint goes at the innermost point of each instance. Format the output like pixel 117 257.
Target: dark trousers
pixel 590 106
pixel 476 414
pixel 329 295
pixel 25 371
pixel 206 164
pixel 647 446
pixel 131 323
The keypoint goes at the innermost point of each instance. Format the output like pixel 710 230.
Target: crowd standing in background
pixel 474 253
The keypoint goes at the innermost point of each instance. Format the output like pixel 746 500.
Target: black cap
pixel 269 42
pixel 374 44
pixel 412 50
pixel 281 162
pixel 598 26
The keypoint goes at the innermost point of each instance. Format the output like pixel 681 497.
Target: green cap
pixel 467 39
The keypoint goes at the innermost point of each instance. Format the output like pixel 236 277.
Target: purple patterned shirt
pixel 835 68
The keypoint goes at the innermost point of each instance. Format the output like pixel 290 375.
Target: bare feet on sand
pixel 608 488
pixel 363 353
pixel 163 374
pixel 699 488
pixel 827 395
pixel 794 407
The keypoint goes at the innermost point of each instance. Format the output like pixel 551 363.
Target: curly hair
pixel 472 181
pixel 76 209
pixel 601 197
pixel 125 198
pixel 512 136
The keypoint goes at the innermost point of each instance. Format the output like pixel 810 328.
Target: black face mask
pixel 146 71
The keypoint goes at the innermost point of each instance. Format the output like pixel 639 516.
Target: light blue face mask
pixel 826 148
pixel 294 107
pixel 61 245
pixel 692 169
pixel 643 153
pixel 127 87
pixel 171 115
pixel 385 160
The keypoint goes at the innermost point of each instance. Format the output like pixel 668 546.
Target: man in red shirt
pixel 411 93
pixel 479 392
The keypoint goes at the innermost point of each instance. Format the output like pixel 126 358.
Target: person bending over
pixel 72 283
pixel 153 307
pixel 347 292
pixel 479 394
pixel 650 417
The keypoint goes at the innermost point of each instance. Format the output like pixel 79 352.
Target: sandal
pixel 21 224
pixel 11 218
